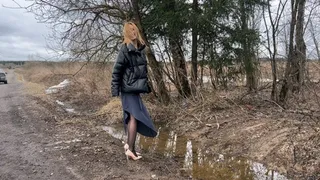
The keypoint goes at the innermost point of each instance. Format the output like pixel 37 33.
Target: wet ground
pixel 22 154
pixel 43 140
pixel 196 162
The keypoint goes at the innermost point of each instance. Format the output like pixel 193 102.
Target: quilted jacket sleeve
pixel 117 73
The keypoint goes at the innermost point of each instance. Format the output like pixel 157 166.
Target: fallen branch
pixel 305 112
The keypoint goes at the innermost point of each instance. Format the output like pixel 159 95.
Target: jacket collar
pixel 131 48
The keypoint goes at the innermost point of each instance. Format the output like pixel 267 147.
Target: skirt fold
pixel 132 104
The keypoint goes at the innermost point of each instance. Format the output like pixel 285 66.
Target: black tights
pixel 132 133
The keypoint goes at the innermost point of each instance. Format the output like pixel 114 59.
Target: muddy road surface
pixel 40 141
pixel 21 144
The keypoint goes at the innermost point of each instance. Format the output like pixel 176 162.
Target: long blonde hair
pixel 126 31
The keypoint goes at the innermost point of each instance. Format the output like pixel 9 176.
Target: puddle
pixel 116 133
pixel 196 162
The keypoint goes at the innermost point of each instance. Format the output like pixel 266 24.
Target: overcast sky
pixel 20 34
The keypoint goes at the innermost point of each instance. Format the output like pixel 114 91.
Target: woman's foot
pixel 131 155
pixel 126 146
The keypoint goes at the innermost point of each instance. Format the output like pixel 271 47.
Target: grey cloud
pixel 20 34
pixel 5 30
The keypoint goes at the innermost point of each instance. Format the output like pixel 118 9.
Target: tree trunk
pixel 247 54
pixel 291 68
pixel 274 91
pixel 301 46
pixel 154 64
pixel 194 56
pixel 274 26
pixel 201 75
pixel 202 64
pixel 175 45
pixel 251 74
pixel 180 67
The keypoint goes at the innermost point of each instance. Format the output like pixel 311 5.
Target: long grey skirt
pixel 132 104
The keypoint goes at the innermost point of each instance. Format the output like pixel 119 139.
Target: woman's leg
pixel 132 133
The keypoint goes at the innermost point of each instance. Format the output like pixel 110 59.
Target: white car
pixel 3 77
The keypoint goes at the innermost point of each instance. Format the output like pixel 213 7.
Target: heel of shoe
pixel 126 147
pixel 125 153
pixel 130 154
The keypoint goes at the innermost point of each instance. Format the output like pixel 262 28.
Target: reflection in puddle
pixel 200 164
pixel 188 157
pixel 116 133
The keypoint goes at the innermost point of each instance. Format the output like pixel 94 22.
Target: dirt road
pixel 22 154
pixel 41 141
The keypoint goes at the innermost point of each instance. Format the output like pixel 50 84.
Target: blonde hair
pixel 126 32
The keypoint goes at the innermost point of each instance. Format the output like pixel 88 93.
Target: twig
pixel 305 112
pixel 274 103
pixel 218 125
pixel 235 103
pixel 81 68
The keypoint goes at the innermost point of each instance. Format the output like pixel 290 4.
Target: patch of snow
pixel 51 91
pixel 221 157
pixel 60 103
pixel 62 147
pixel 74 140
pixel 266 80
pixel 206 79
pixel 66 142
pixel 315 80
pixel 56 88
pixel 70 110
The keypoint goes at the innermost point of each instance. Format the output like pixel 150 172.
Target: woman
pixel 129 79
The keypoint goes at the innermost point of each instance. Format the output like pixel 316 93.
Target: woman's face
pixel 132 33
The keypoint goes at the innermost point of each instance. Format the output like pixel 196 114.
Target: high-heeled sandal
pixel 130 154
pixel 126 146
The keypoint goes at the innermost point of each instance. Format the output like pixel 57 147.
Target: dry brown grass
pixel 313 68
pixel 89 88
pixel 35 89
pixel 212 115
pixel 112 109
pixel 93 76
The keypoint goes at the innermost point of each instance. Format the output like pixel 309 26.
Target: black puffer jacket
pixel 129 73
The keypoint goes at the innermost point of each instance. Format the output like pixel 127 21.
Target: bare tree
pixel 86 30
pixel 91 30
pixel 194 56
pixel 312 24
pixel 154 64
pixel 272 49
pixel 295 69
pixel 249 41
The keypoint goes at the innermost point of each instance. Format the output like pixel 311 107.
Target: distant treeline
pixel 12 62
pixel 283 59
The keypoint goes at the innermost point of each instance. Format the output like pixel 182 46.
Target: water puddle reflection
pixel 196 162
